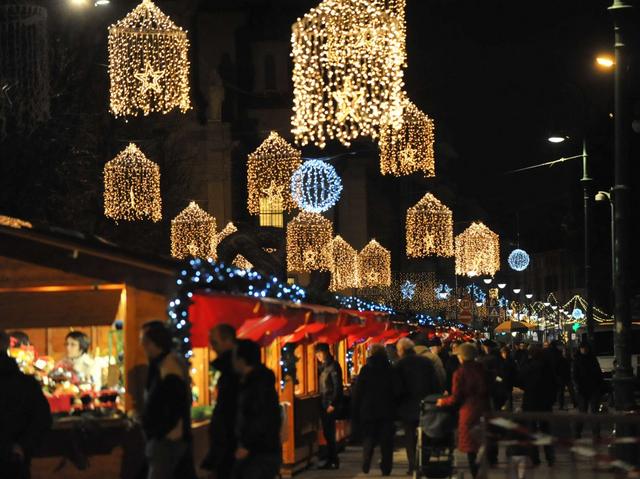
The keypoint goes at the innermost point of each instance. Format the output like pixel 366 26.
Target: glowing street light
pixel 605 61
pixel 556 139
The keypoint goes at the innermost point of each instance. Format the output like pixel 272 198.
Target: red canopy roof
pixel 262 330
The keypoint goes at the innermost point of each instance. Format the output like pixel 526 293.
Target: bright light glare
pixel 99 3
pixel 79 3
pixel 556 139
pixel 605 61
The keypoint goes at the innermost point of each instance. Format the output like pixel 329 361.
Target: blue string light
pixel 519 260
pixel 352 302
pixel 478 295
pixel 316 186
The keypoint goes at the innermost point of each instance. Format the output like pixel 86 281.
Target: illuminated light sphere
pixel 344 271
pixel 519 260
pixel 148 63
pixel 192 232
pixel 408 290
pixel 309 239
pixel 374 266
pixel 410 148
pixel 269 171
pixel 132 187
pixel 347 70
pixel 477 251
pixel 577 314
pixel 429 229
pixel 316 186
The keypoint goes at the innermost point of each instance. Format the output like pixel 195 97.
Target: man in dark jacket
pixel 373 408
pixel 330 387
pixel 259 451
pixel 490 360
pixel 416 380
pixel 588 382
pixel 24 416
pixel 222 445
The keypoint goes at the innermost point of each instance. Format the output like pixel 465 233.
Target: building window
pixel 269 72
pixel 271 212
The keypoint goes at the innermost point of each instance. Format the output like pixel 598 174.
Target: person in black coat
pixel 451 365
pixel 539 387
pixel 588 383
pixel 222 443
pixel 373 408
pixel 24 416
pixel 259 451
pixel 416 379
pixel 507 374
pixel 330 387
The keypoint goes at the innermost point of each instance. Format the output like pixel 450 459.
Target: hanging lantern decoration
pixel 374 266
pixel 344 273
pixel 132 187
pixel 519 260
pixel 429 229
pixel 316 186
pixel 347 70
pixel 148 63
pixel 410 148
pixel 24 66
pixel 269 172
pixel 309 238
pixel 477 251
pixel 192 232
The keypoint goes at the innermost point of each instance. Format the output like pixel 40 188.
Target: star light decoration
pixel 374 266
pixel 409 148
pixel 519 260
pixel 269 171
pixel 408 290
pixel 477 251
pixel 132 187
pixel 309 239
pixel 344 271
pixel 148 63
pixel 347 70
pixel 443 291
pixel 429 229
pixel 192 232
pixel 316 186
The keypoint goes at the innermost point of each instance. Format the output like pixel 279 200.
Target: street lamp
pixel 516 290
pixel 502 285
pixel 556 139
pixel 487 280
pixel 601 197
pixel 605 61
pixel 528 295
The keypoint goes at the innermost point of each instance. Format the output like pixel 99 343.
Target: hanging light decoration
pixel 218 237
pixel 316 186
pixel 309 238
pixel 269 171
pixel 477 251
pixel 374 266
pixel 192 232
pixel 429 228
pixel 132 187
pixel 519 260
pixel 347 70
pixel 148 63
pixel 344 272
pixel 410 148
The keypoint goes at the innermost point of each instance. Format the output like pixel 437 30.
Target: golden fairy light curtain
pixel 192 232
pixel 269 171
pixel 344 271
pixel 410 148
pixel 374 266
pixel 429 228
pixel 132 187
pixel 148 63
pixel 348 57
pixel 477 251
pixel 309 238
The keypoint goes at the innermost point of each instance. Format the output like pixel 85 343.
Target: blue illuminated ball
pixel 577 314
pixel 316 186
pixel 519 260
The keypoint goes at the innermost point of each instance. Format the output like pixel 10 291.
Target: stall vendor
pixel 77 346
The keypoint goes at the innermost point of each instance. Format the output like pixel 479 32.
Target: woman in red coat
pixel 471 395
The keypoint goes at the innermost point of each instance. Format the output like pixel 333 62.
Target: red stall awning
pixel 262 330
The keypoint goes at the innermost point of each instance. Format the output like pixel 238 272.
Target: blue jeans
pixel 163 457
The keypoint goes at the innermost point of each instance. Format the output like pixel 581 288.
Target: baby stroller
pixel 436 440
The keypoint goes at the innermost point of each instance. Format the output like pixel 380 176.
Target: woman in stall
pixel 77 346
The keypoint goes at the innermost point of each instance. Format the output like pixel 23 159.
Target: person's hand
pixel 330 409
pixel 17 452
pixel 242 453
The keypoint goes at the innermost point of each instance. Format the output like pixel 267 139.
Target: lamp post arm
pixel 583 155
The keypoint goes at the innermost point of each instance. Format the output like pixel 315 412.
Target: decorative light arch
pixel 477 251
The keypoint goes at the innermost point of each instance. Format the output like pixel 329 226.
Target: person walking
pixel 507 375
pixel 441 374
pixel 451 365
pixel 539 386
pixel 24 416
pixel 330 387
pixel 166 416
pixel 490 359
pixel 588 383
pixel 416 380
pixel 222 443
pixel 259 451
pixel 470 393
pixel 373 408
